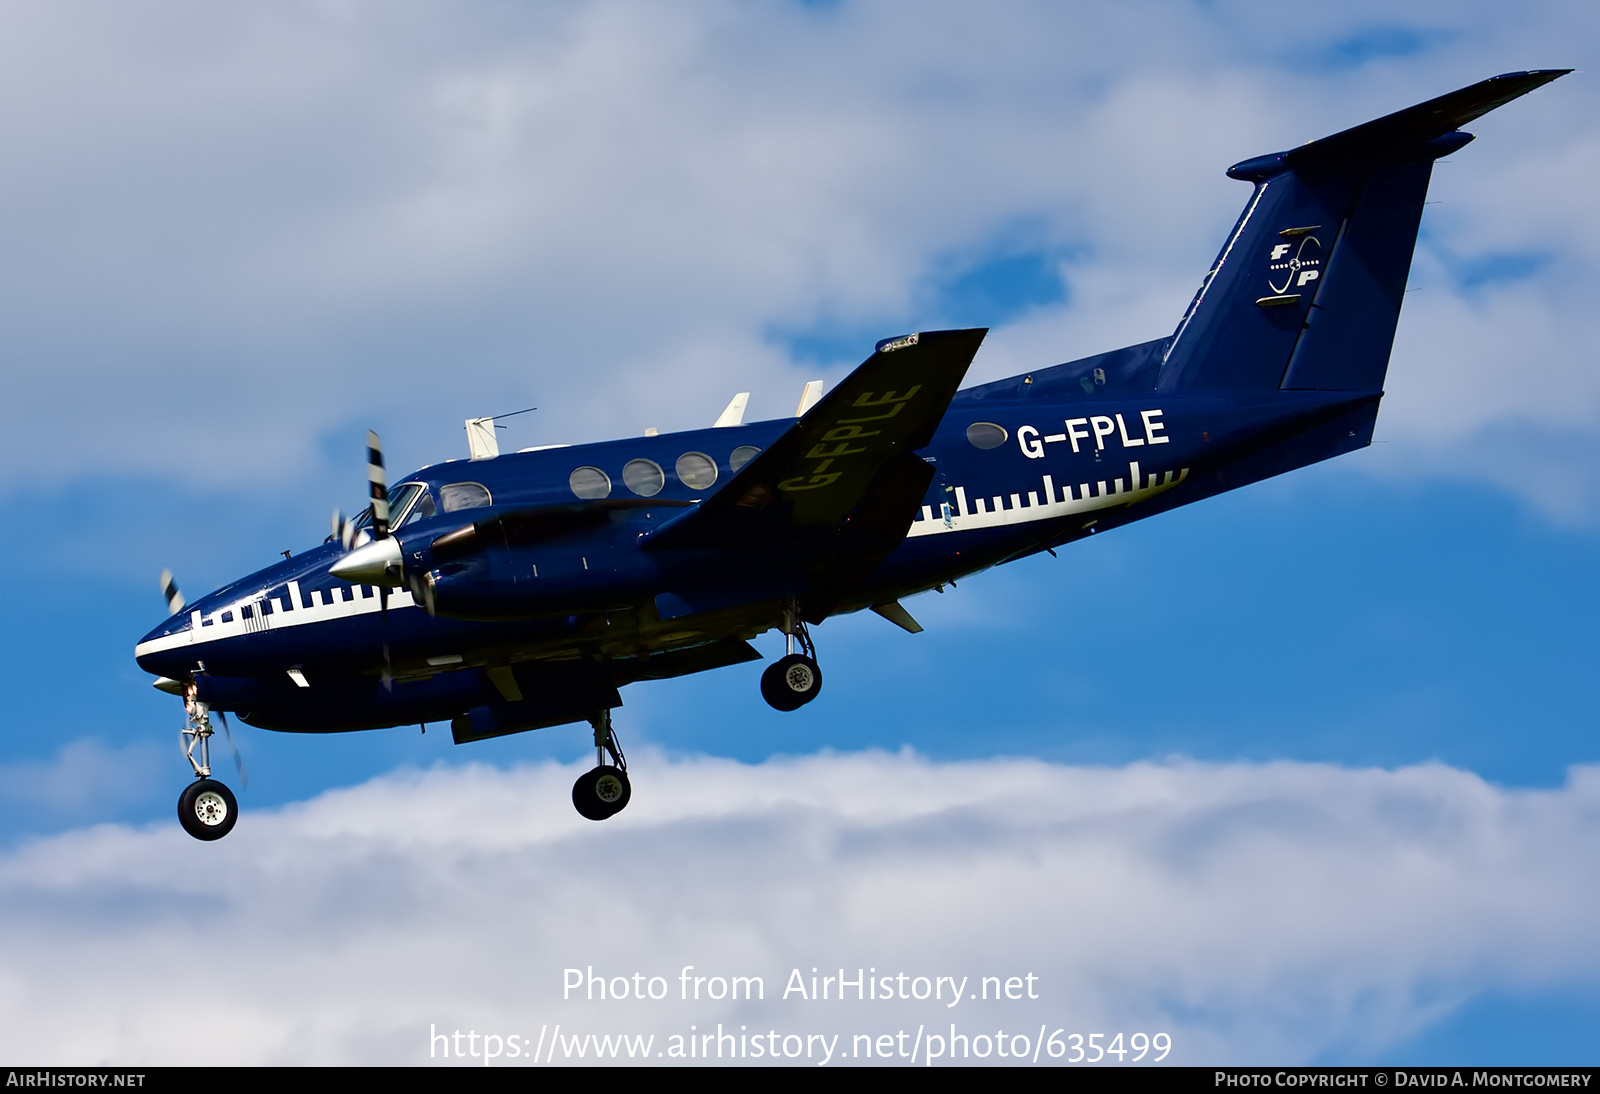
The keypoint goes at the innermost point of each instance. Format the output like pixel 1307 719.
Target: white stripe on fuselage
pixel 323 606
pixel 993 512
pixel 346 601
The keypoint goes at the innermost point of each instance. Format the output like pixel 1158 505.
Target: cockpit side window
pixel 401 508
pixel 423 509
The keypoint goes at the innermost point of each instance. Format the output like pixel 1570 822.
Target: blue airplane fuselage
pixel 525 590
pixel 1072 463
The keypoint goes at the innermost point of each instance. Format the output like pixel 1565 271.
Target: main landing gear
pixel 794 679
pixel 604 791
pixel 206 808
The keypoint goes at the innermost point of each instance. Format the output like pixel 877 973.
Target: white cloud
pixel 83 775
pixel 1261 913
pixel 235 231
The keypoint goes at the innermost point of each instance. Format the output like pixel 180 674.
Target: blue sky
pixel 241 238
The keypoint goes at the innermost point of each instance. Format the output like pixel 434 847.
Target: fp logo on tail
pixel 1298 271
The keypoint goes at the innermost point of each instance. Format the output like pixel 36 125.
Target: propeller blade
pixel 378 486
pixel 169 590
pixel 344 531
pixel 383 626
pixel 354 565
pixel 238 760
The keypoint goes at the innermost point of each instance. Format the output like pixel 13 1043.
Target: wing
pixel 845 467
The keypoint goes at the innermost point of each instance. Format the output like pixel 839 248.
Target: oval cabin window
pixel 590 483
pixel 986 435
pixel 696 470
pixel 742 455
pixel 643 477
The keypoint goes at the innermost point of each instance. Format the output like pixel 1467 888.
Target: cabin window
pixel 590 483
pixel 643 477
pixel 696 470
pixel 986 435
pixel 742 455
pixel 463 495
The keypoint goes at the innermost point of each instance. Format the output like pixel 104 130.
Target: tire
pixel 791 682
pixel 601 793
pixel 207 809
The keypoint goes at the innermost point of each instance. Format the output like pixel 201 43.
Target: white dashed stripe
pixel 994 513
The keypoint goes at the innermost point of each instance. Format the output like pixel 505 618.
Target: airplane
pixel 507 593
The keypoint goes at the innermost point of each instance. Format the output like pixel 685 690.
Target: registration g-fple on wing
pixel 513 592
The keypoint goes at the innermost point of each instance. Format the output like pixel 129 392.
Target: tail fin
pixel 1307 290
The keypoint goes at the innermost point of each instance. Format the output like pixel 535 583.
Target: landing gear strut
pixel 604 791
pixel 206 808
pixel 794 679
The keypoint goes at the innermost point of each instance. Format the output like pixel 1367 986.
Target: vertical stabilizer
pixel 1306 291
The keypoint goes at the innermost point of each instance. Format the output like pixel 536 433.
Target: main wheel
pixel 791 682
pixel 602 793
pixel 207 809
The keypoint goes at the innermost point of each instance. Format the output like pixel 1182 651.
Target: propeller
pixel 378 491
pixel 376 561
pixel 238 760
pixel 377 486
pixel 345 532
pixel 169 591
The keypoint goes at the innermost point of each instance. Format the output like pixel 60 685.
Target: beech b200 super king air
pixel 513 592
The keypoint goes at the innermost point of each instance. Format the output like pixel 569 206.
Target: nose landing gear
pixel 604 791
pixel 206 808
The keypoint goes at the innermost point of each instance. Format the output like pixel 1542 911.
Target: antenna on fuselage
pixel 733 413
pixel 481 441
pixel 809 398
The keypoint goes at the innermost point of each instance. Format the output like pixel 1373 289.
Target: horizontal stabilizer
pixel 1405 132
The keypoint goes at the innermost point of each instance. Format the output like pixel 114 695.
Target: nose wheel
pixel 604 791
pixel 207 809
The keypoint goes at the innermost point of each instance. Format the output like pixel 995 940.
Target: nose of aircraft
pixel 165 650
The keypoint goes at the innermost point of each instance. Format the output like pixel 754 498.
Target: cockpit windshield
pixel 408 502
